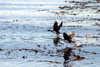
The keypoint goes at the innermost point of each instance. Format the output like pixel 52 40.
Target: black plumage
pixel 56 28
pixel 68 37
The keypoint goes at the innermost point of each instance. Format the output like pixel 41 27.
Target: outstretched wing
pixel 66 37
pixel 55 26
pixel 60 25
pixel 72 35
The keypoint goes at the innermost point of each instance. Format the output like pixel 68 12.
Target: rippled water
pixel 26 41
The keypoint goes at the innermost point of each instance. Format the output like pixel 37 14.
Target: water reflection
pixel 56 40
pixel 67 54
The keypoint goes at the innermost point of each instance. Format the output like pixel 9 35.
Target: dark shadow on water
pixel 67 54
pixel 56 40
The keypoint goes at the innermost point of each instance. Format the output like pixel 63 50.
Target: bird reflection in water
pixel 67 54
pixel 56 40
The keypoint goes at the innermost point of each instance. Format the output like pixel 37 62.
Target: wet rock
pixel 30 50
pixel 24 57
pixel 79 36
pixel 79 58
pixel 38 45
pixel 49 61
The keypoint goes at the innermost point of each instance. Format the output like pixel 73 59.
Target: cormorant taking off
pixel 56 27
pixel 68 37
